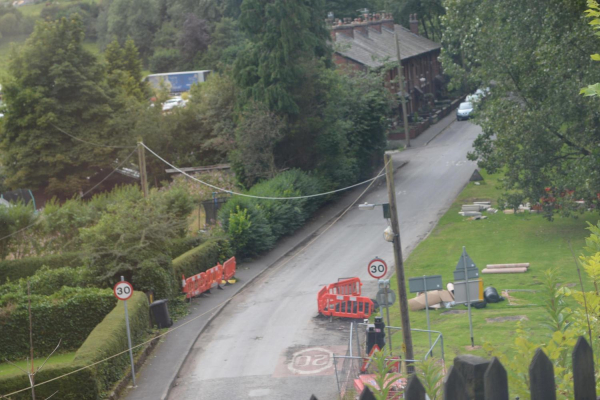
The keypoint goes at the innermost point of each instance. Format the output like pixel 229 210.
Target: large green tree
pixel 54 84
pixel 285 35
pixel 537 129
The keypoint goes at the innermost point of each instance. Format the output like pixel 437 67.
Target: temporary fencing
pixel 350 368
pixel 342 299
pixel 204 281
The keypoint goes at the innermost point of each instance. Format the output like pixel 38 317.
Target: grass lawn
pixel 6 369
pixel 499 239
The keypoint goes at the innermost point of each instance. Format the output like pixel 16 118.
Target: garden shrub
pixel 78 386
pixel 47 281
pixel 68 315
pixel 14 269
pixel 203 257
pixel 156 275
pixel 181 245
pixel 108 338
pixel 254 225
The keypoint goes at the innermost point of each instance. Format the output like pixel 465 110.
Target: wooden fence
pixel 475 378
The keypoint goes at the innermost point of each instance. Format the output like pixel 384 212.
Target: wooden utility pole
pixel 402 92
pixel 407 346
pixel 142 167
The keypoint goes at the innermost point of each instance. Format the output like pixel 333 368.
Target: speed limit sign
pixel 377 268
pixel 123 290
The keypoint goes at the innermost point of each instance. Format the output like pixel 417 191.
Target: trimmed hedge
pixel 15 269
pixel 108 338
pixel 203 257
pixel 181 245
pixel 78 386
pixel 69 314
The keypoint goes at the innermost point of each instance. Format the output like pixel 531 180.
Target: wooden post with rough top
pixel 407 345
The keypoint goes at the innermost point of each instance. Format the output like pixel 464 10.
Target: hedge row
pixel 181 245
pixel 108 338
pixel 15 269
pixel 68 315
pixel 254 225
pixel 203 257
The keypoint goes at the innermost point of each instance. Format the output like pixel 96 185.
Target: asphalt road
pixel 262 345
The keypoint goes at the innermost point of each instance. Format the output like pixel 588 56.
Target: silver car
pixel 464 111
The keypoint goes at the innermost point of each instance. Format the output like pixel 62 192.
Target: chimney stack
pixel 414 24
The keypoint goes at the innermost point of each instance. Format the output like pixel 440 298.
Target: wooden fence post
pixel 495 381
pixel 454 386
pixel 472 369
pixel 584 381
pixel 414 389
pixel 541 377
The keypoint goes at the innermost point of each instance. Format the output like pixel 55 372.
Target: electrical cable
pixel 215 307
pixel 258 197
pixel 92 143
pixel 82 196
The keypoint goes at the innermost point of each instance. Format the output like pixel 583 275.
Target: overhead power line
pixel 91 143
pixel 258 197
pixel 223 303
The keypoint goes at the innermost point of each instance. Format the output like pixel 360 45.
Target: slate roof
pixel 374 49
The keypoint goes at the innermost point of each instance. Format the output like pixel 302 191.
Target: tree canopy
pixel 54 84
pixel 536 127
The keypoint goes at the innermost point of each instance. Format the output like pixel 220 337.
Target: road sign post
pixel 468 295
pixel 123 291
pixel 377 268
pixel 385 285
pixel 423 284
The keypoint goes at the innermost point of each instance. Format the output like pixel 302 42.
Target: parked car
pixel 172 103
pixel 464 111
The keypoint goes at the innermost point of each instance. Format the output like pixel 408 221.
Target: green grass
pixel 500 238
pixel 7 370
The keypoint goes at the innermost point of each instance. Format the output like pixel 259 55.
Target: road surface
pixel 267 343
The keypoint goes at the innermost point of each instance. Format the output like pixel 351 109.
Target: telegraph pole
pixel 402 93
pixel 407 345
pixel 142 167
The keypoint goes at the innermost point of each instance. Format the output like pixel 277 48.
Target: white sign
pixel 123 290
pixel 377 268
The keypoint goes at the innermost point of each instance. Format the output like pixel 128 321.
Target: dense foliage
pixel 68 315
pixel 107 338
pixel 254 225
pixel 536 126
pixel 54 84
pixel 203 257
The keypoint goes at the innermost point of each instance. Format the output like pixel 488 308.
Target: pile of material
pixel 475 209
pixel 435 299
pixel 505 268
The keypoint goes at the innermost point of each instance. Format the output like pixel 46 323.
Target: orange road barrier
pixel 202 282
pixel 342 299
pixel 229 269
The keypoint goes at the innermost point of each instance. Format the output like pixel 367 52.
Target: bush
pixel 203 257
pixel 108 338
pixel 156 275
pixel 180 246
pixel 254 225
pixel 16 269
pixel 78 386
pixel 47 281
pixel 69 314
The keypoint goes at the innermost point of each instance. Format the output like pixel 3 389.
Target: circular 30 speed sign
pixel 377 268
pixel 123 290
